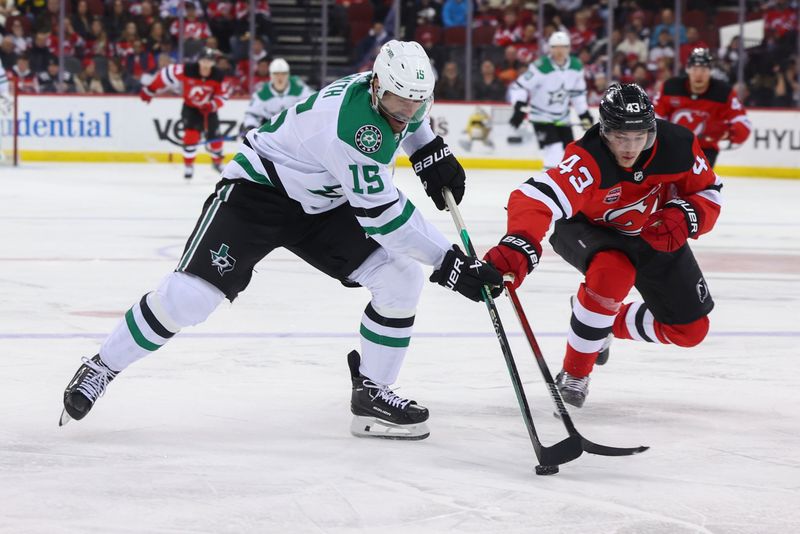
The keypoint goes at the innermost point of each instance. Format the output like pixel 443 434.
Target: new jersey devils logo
pixel 199 95
pixel 691 119
pixel 629 218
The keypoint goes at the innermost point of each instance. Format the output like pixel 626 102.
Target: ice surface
pixel 241 424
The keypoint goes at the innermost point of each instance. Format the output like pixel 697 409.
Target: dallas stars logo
pixel 368 139
pixel 559 96
pixel 221 260
pixel 328 191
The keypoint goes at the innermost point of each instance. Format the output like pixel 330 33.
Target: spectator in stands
pixel 48 80
pixel 117 80
pixel 123 48
pixel 98 44
pixel 340 18
pixel 259 53
pixel 428 12
pixel 450 86
pixel 641 77
pixel 74 44
pixel 115 21
pixel 21 41
pixel 787 88
pixel 528 46
pixel 367 49
pixel 82 19
pixel 437 54
pixel 633 45
pixel 488 87
pixel 581 34
pixel 780 21
pixel 194 28
pixel 156 36
pixel 637 23
pixel 47 20
pixel 8 58
pixel 510 31
pixel 597 89
pixel 40 52
pixel 261 75
pixel 509 69
pixel 729 58
pixel 88 81
pixel 140 61
pixel 692 41
pixel 663 48
pixel 144 16
pixel 26 78
pixel 454 13
pixel 668 23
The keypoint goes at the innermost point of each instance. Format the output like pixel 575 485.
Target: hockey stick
pixel 562 452
pixel 588 446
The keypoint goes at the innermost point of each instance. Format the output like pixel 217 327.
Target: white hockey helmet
pixel 403 70
pixel 559 39
pixel 278 65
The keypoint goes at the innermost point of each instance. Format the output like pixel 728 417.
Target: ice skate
pixel 88 385
pixel 573 390
pixel 378 412
pixel 188 172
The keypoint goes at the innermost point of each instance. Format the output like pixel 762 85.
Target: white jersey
pixel 548 89
pixel 268 102
pixel 334 148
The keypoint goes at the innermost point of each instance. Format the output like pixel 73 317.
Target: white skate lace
pixel 377 391
pixel 573 383
pixel 94 384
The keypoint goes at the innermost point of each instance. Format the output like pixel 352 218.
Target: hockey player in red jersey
pixel 624 200
pixel 706 106
pixel 203 95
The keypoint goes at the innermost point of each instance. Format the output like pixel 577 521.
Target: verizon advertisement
pixel 91 128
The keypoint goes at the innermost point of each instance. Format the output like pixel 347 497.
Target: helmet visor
pixel 404 110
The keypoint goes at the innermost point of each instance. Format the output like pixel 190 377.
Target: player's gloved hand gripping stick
pixel 575 444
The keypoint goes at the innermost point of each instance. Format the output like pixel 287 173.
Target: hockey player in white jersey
pixel 547 88
pixel 317 179
pixel 281 92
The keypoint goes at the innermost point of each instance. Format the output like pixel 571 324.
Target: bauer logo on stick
pixel 368 139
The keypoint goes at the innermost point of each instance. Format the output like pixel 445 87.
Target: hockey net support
pixel 9 114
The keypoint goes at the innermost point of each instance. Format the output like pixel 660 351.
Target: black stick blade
pixel 604 450
pixel 562 452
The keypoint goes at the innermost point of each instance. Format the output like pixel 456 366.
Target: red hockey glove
pixel 145 94
pixel 667 229
pixel 515 254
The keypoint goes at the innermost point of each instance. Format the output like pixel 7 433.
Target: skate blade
pixel 370 427
pixel 64 419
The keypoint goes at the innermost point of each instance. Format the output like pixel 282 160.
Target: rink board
pixel 124 129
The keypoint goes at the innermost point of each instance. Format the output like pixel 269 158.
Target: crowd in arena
pixel 111 45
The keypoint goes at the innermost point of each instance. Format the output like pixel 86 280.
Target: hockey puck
pixel 546 469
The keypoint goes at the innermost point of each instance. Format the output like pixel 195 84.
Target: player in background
pixel 624 200
pixel 547 88
pixel 281 92
pixel 318 180
pixel 203 95
pixel 706 106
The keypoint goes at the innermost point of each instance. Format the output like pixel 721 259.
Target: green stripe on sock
pixel 138 337
pixel 396 342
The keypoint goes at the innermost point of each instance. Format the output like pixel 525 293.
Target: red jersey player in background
pixel 203 95
pixel 706 106
pixel 625 199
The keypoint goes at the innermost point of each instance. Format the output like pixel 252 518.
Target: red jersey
pixel 710 115
pixel 589 182
pixel 196 89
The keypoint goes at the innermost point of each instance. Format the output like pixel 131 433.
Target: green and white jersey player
pixel 548 87
pixel 281 92
pixel 317 179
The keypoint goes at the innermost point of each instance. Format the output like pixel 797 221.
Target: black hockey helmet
pixel 627 107
pixel 699 56
pixel 208 53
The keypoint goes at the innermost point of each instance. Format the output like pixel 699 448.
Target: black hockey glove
pixel 437 167
pixel 467 275
pixel 586 120
pixel 518 116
